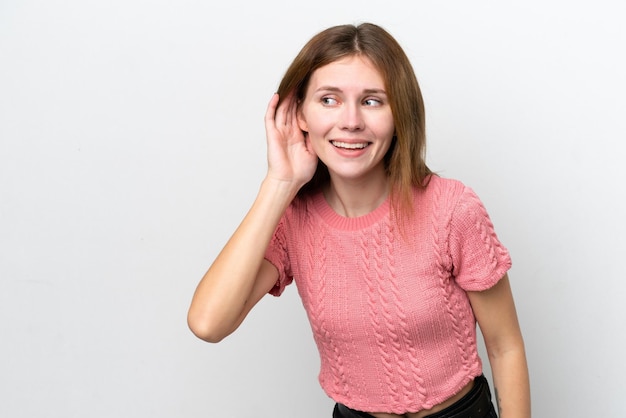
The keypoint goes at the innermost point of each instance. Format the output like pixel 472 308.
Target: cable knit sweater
pixel 387 303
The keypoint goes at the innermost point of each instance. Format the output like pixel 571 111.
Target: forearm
pixel 511 383
pixel 495 312
pixel 223 291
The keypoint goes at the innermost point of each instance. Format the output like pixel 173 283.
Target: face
pixel 348 118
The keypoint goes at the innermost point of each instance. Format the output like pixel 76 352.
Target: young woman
pixel 394 264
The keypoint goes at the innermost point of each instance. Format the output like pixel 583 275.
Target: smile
pixel 347 145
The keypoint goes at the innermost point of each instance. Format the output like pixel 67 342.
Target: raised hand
pixel 290 155
pixel 240 275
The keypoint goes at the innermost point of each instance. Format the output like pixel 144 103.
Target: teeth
pixel 349 146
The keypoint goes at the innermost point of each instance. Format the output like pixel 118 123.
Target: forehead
pixel 355 71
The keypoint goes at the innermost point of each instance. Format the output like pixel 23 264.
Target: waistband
pixel 476 404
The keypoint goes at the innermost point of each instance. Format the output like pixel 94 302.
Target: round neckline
pixel 335 220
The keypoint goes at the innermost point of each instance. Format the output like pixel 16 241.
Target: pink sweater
pixel 388 308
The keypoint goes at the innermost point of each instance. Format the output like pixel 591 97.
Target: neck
pixel 356 198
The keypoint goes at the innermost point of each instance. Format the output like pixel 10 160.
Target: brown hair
pixel 405 160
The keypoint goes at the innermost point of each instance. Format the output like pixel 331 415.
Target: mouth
pixel 350 145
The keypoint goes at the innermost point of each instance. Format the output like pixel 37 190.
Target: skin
pixel 350 127
pixel 348 124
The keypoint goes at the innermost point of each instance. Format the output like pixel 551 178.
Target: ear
pixel 301 120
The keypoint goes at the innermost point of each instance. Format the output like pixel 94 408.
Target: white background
pixel 132 143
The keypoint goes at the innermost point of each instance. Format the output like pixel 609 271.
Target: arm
pixel 495 312
pixel 240 276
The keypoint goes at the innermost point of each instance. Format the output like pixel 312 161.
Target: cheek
pixel 308 119
pixel 315 125
pixel 386 128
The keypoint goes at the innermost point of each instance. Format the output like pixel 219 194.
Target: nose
pixel 352 118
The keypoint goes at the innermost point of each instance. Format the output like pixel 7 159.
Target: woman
pixel 394 264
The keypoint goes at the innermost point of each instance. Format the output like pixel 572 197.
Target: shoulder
pixel 299 210
pixel 442 192
pixel 447 201
pixel 304 203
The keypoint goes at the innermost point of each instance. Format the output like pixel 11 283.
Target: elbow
pixel 205 329
pixel 512 349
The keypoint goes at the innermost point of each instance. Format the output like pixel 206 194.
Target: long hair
pixel 405 161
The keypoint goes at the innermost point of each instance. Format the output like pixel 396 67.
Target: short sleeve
pixel 479 260
pixel 277 254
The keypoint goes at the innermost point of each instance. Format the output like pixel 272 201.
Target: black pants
pixel 475 404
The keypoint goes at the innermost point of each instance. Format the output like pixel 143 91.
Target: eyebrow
pixel 337 89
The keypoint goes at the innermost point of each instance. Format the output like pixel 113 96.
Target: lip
pixel 350 147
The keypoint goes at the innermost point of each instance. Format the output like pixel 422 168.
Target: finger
pixel 282 113
pixel 270 113
pixel 287 109
pixel 290 109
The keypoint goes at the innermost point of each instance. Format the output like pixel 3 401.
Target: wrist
pixel 280 190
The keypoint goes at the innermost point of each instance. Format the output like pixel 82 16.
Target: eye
pixel 329 101
pixel 372 102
